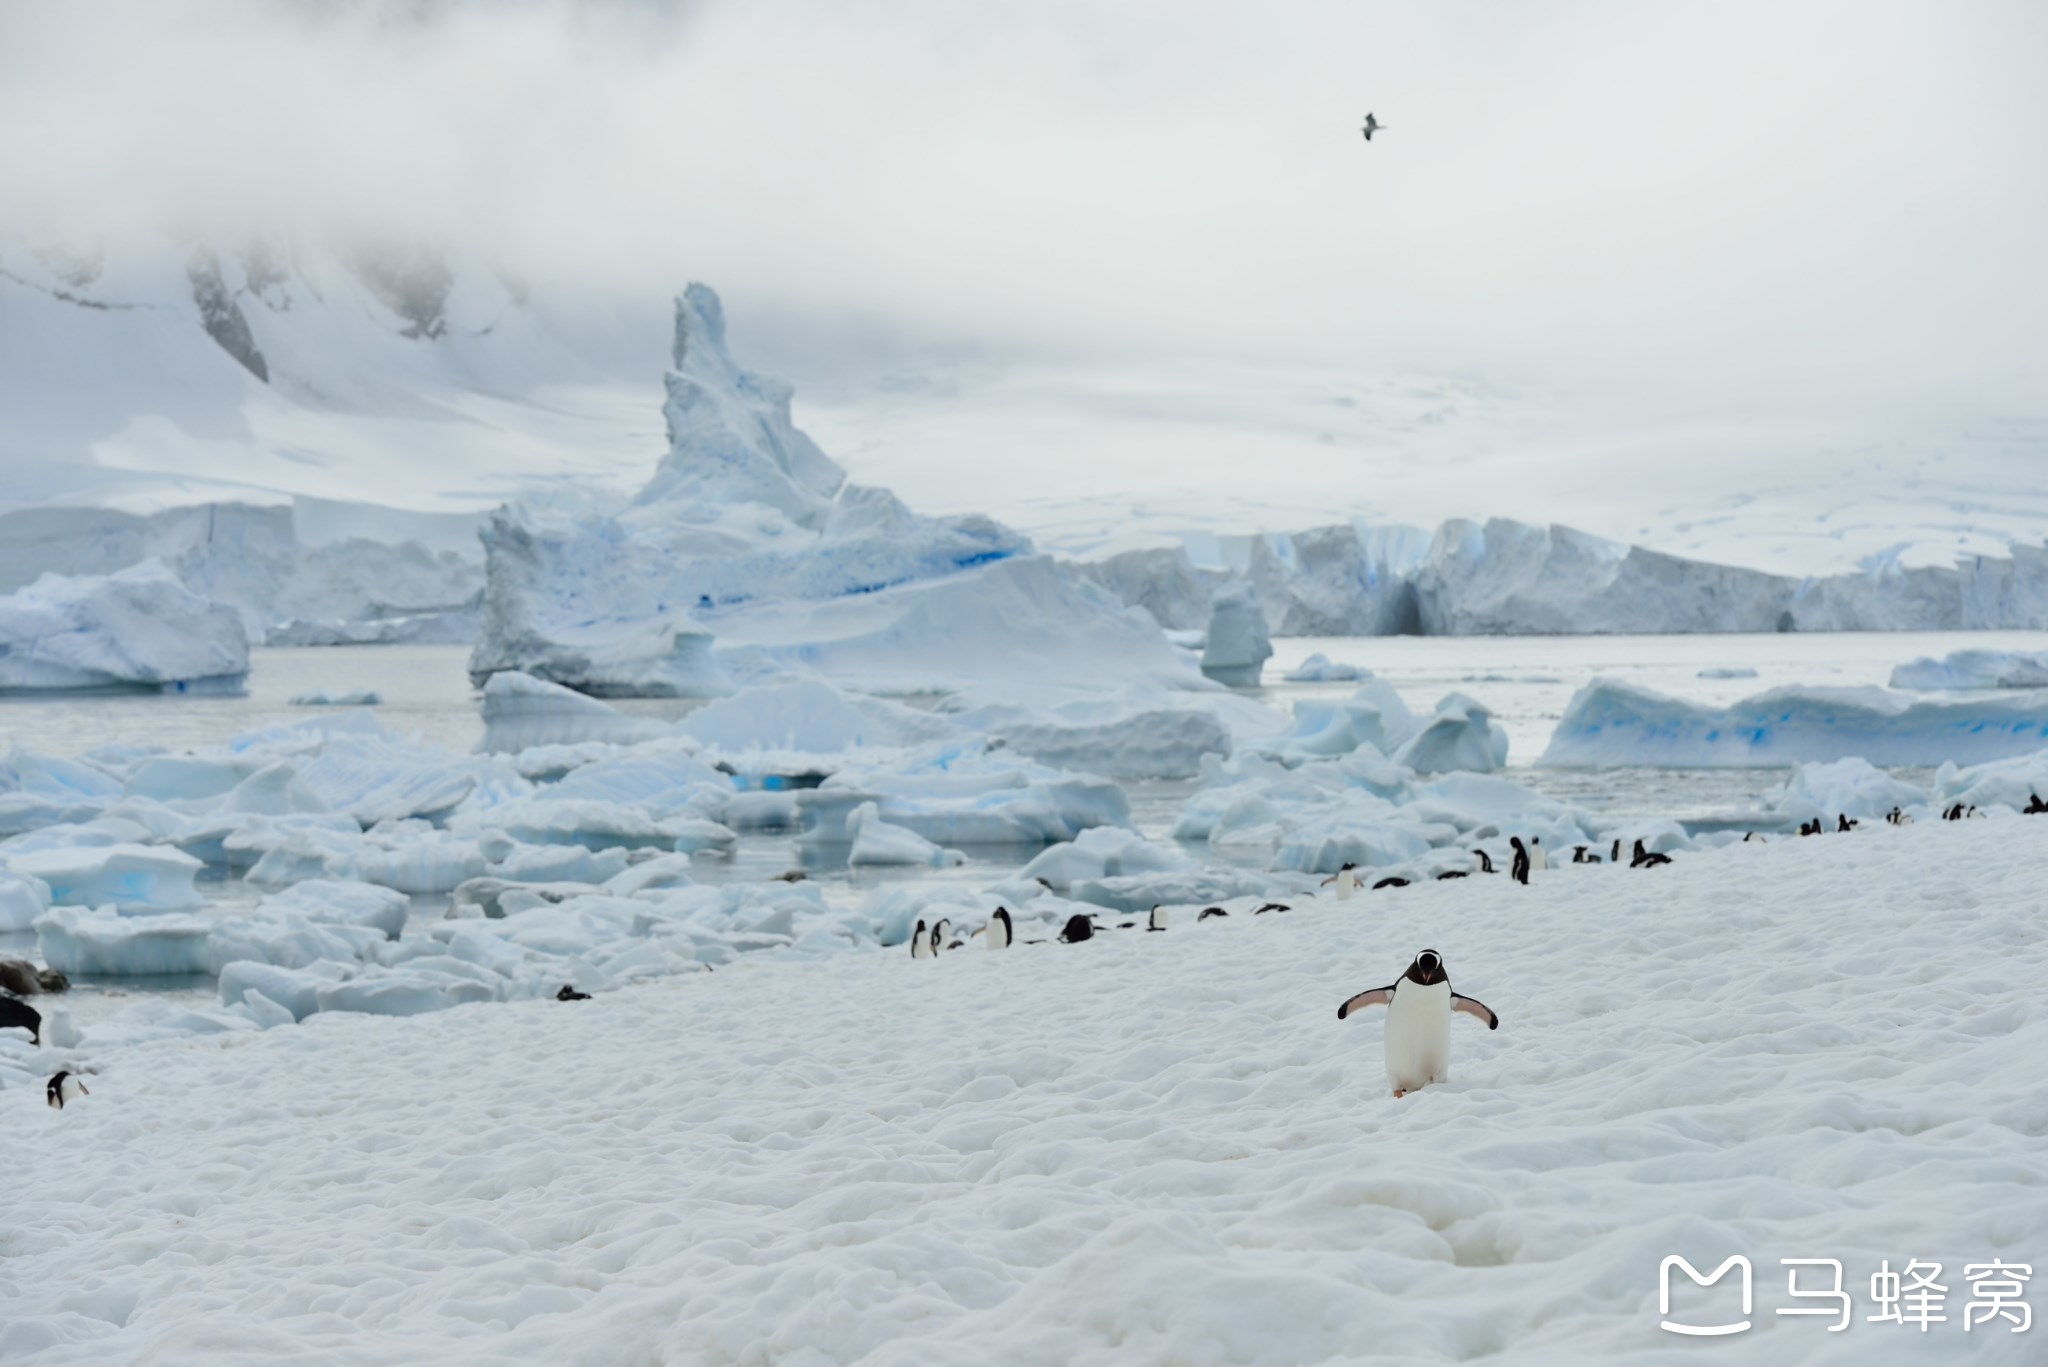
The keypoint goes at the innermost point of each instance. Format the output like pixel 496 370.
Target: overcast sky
pixel 1721 204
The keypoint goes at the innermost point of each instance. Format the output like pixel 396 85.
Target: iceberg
pixel 1975 669
pixel 1852 787
pixel 521 712
pixel 1613 723
pixel 133 877
pixel 95 940
pixel 751 536
pixel 138 628
pixel 1238 646
pixel 1320 668
pixel 1460 735
pixel 875 841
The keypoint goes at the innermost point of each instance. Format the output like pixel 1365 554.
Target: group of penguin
pixel 1528 858
pixel 927 942
pixel 64 1086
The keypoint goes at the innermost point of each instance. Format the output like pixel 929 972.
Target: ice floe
pixel 137 628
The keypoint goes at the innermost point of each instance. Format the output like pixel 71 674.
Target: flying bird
pixel 1372 125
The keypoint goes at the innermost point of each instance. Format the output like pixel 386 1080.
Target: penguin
pixel 1578 854
pixel 1390 883
pixel 1157 921
pixel 1000 931
pixel 1538 860
pixel 1843 823
pixel 1272 906
pixel 1419 1005
pixel 942 934
pixel 1485 861
pixel 1954 813
pixel 1519 870
pixel 570 994
pixel 1974 815
pixel 1752 838
pixel 792 876
pixel 1897 817
pixel 2035 806
pixel 1614 855
pixel 21 1016
pixel 1346 879
pixel 1647 860
pixel 1207 912
pixel 1078 928
pixel 1126 925
pixel 920 942
pixel 1449 874
pixel 65 1086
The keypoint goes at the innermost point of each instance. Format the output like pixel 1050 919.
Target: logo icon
pixel 1703 1330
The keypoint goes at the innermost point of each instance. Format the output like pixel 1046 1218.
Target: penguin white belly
pixel 1347 884
pixel 1418 1035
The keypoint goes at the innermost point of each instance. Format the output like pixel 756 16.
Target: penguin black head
pixel 1427 970
pixel 1516 841
pixel 1003 915
pixel 1078 928
pixel 64 1082
pixel 1347 866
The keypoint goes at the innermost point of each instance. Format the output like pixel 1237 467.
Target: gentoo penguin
pixel 66 1086
pixel 1272 906
pixel 1974 815
pixel 1346 880
pixel 570 994
pixel 1390 883
pixel 1157 921
pixel 1843 823
pixel 1578 854
pixel 1485 861
pixel 1419 1005
pixel 920 942
pixel 1519 870
pixel 1078 928
pixel 942 935
pixel 1645 859
pixel 2035 806
pixel 1614 855
pixel 1207 912
pixel 1751 837
pixel 1897 817
pixel 1538 860
pixel 1451 873
pixel 1000 931
pixel 21 1016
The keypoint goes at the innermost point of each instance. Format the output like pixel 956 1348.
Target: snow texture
pixel 1153 1147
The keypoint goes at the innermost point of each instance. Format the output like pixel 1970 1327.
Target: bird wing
pixel 1472 1006
pixel 1379 996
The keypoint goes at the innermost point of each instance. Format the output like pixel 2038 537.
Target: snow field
pixel 1141 1148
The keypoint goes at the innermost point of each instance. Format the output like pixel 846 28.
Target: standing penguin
pixel 1538 860
pixel 1485 861
pixel 1158 919
pixel 66 1086
pixel 1519 870
pixel 1000 931
pixel 1346 880
pixel 1614 855
pixel 940 934
pixel 21 1016
pixel 920 942
pixel 1419 1005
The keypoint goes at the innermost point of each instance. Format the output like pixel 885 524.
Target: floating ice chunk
pixel 1612 723
pixel 1238 647
pixel 265 1012
pixel 1845 787
pixel 521 711
pixel 558 864
pixel 811 717
pixel 1104 852
pixel 294 989
pixel 22 899
pixel 1461 735
pixel 1128 743
pixel 1729 672
pixel 137 628
pixel 81 940
pixel 410 856
pixel 965 798
pixel 288 940
pixel 129 876
pixel 652 875
pixel 1975 669
pixel 1320 668
pixel 2010 783
pixel 342 904
pixel 320 697
pixel 875 841
pixel 375 778
pixel 402 992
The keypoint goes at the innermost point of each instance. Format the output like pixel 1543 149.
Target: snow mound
pixel 138 628
pixel 1613 723
pixel 749 534
pixel 1975 669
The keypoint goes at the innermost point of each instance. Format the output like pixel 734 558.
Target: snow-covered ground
pixel 1140 1148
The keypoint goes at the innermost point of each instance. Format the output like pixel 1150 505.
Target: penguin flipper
pixel 1472 1006
pixel 1379 996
